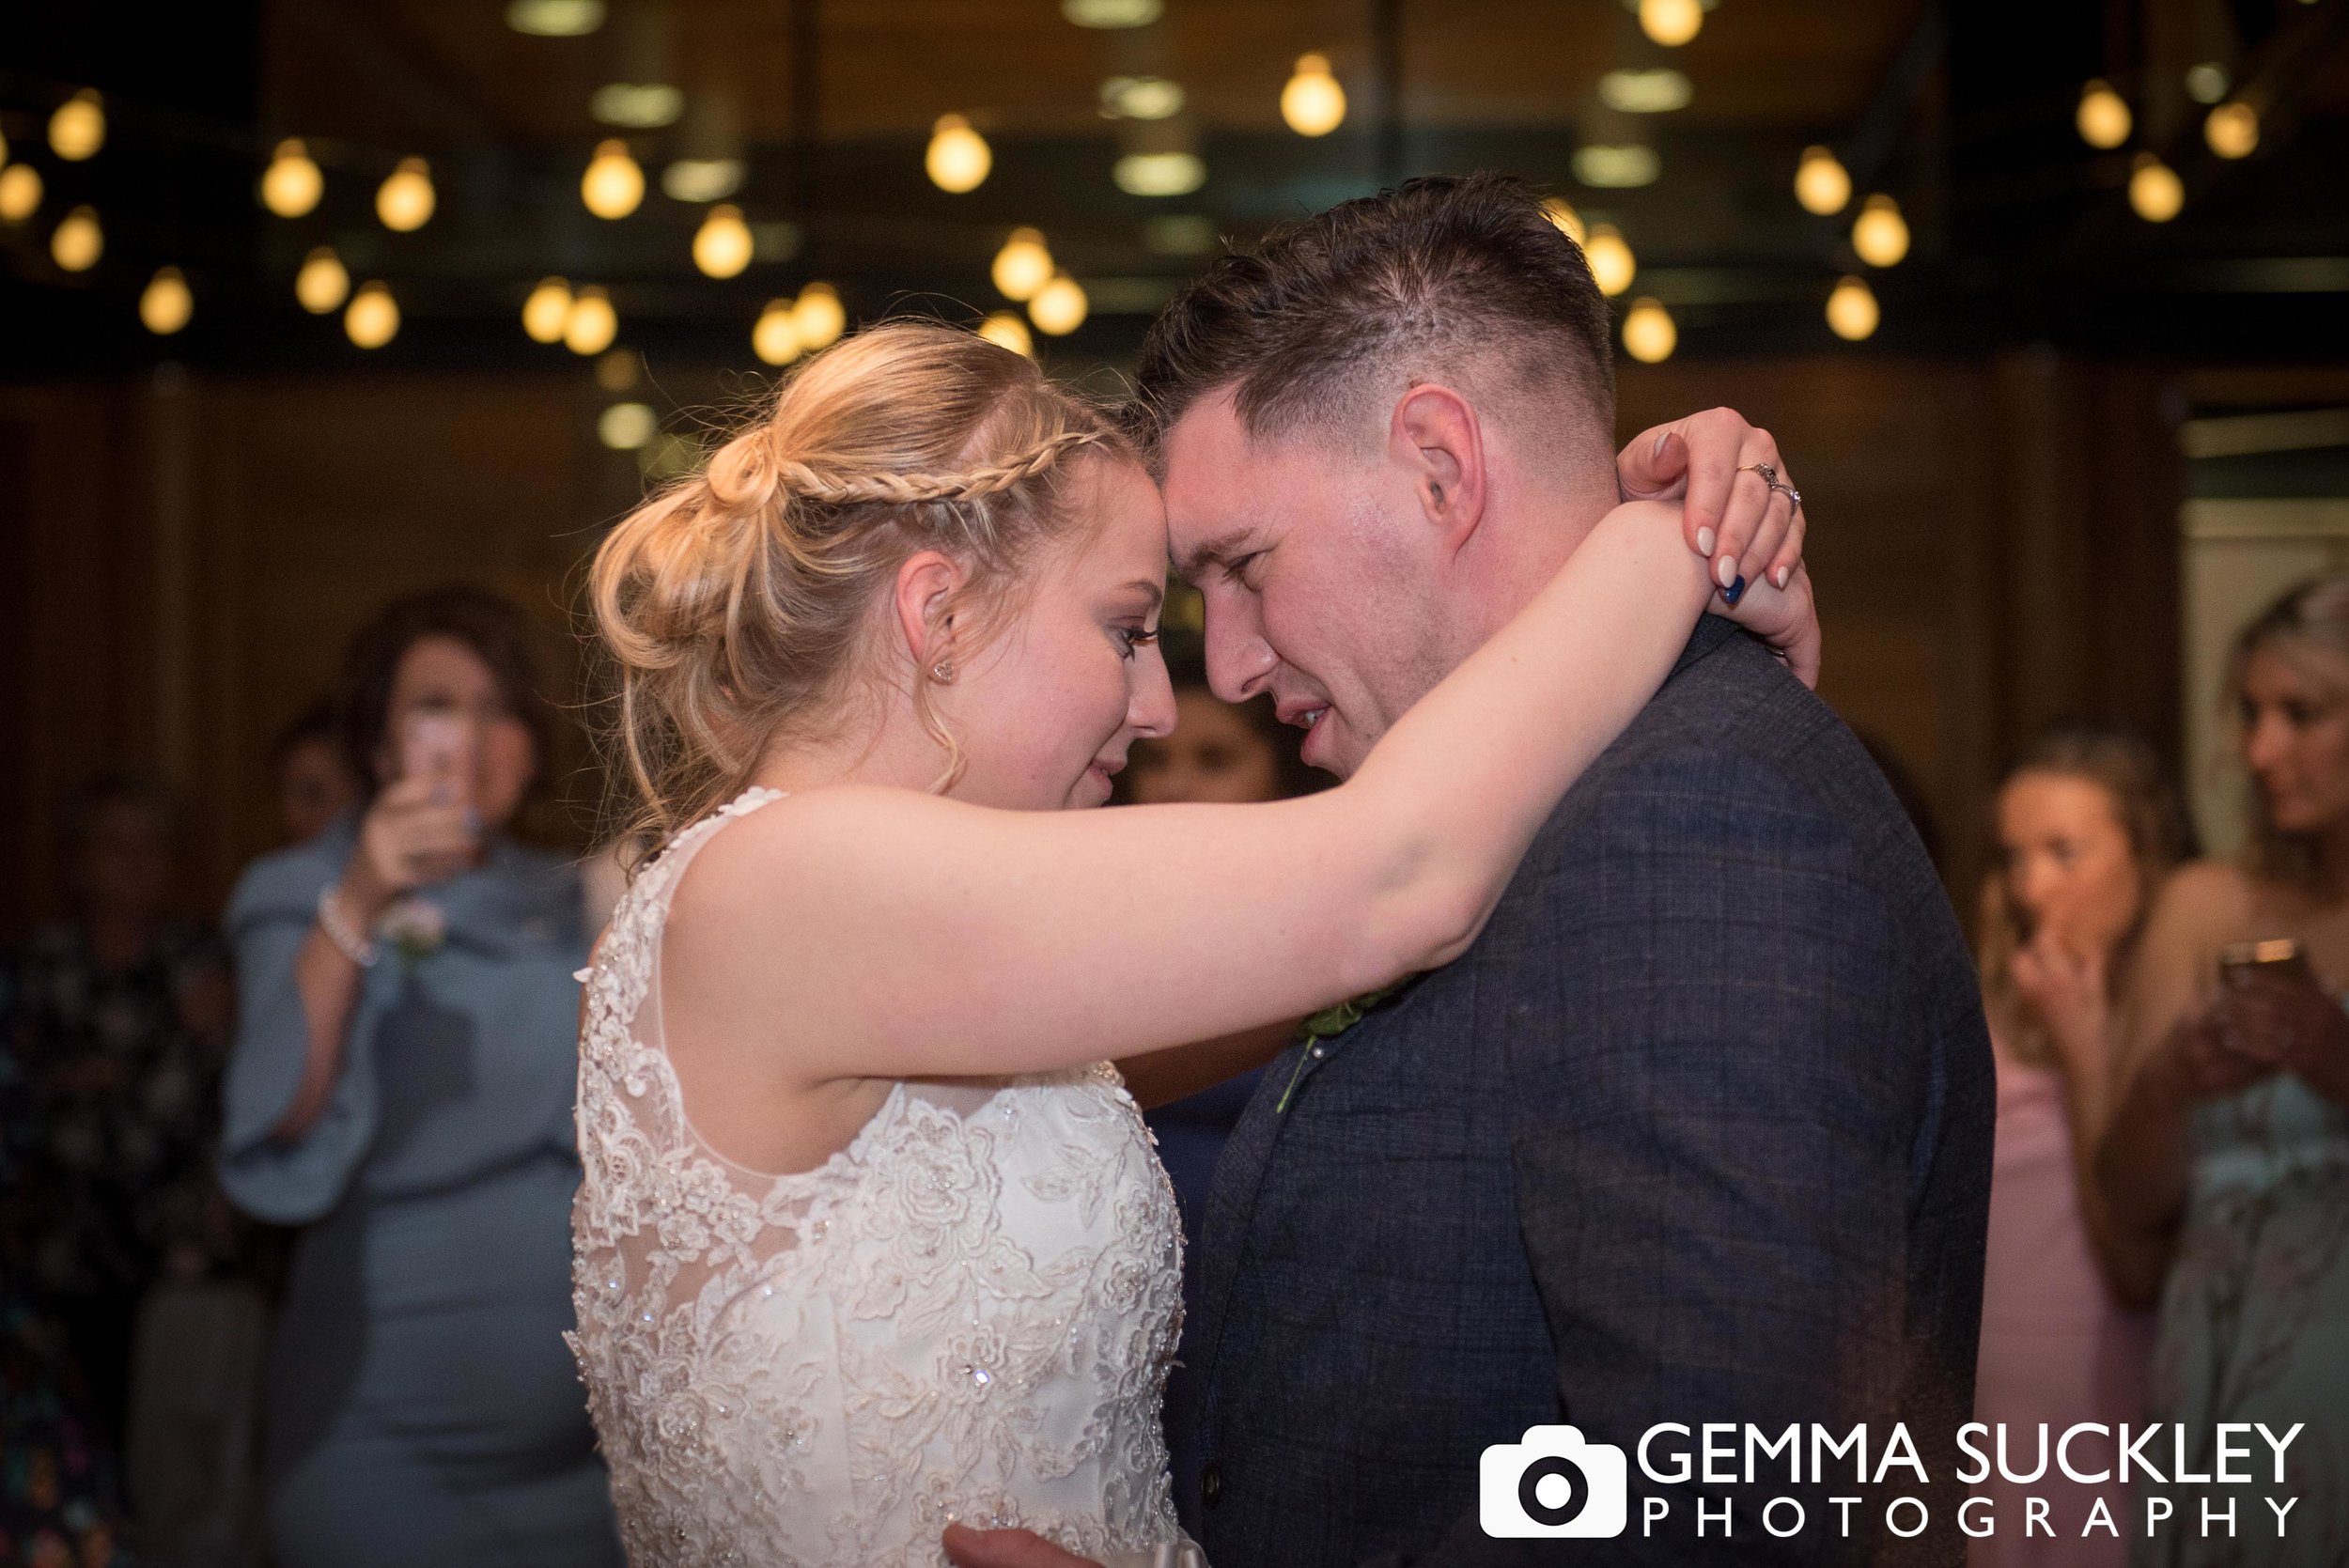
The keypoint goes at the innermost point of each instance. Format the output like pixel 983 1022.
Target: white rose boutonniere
pixel 413 927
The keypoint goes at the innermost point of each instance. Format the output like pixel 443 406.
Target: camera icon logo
pixel 1552 1483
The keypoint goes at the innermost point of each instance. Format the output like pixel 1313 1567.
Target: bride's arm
pixel 902 935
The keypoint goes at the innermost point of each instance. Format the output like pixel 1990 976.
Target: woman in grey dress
pixel 402 1087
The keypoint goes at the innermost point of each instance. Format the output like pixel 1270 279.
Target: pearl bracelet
pixel 346 941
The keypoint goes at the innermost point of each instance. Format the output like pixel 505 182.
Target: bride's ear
pixel 928 583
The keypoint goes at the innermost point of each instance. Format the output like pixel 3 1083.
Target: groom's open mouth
pixel 1303 718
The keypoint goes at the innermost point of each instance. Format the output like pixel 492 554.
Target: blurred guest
pixel 402 1087
pixel 119 1025
pixel 2088 827
pixel 2226 1162
pixel 315 780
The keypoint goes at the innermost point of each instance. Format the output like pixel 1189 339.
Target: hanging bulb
pixel 613 183
pixel 291 184
pixel 78 128
pixel 79 242
pixel 2232 130
pixel 1312 102
pixel 1880 234
pixel 405 199
pixel 776 337
pixel 1565 219
pixel 591 323
pixel 373 319
pixel 1671 23
pixel 1006 330
pixel 959 158
pixel 1059 307
pixel 166 304
pixel 1821 183
pixel 721 246
pixel 323 283
pixel 819 317
pixel 1023 266
pixel 546 309
pixel 2102 117
pixel 1648 333
pixel 19 192
pixel 2155 190
pixel 1611 259
pixel 1851 310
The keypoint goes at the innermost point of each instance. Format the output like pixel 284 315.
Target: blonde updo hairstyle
pixel 740 605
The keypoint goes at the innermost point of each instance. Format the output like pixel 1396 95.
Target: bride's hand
pixel 1006 1548
pixel 1729 515
pixel 1785 618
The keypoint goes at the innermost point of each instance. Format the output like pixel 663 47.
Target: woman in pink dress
pixel 2087 826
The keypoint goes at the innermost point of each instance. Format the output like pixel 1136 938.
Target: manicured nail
pixel 1783 573
pixel 1724 567
pixel 1705 541
pixel 1661 437
pixel 1735 591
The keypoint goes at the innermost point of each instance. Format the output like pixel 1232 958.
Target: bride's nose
pixel 1150 711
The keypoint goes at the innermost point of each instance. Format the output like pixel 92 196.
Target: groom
pixel 1699 1130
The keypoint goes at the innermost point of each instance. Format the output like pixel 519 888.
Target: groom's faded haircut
pixel 1440 277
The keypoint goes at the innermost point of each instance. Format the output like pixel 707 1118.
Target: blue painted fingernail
pixel 1735 591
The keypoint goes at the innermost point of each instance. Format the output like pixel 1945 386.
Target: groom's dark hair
pixel 1424 280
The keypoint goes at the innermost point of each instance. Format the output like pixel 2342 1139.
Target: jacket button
pixel 1211 1485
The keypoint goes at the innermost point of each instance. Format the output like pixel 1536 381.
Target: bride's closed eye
pixel 1133 637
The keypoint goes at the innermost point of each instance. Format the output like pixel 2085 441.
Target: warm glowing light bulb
pixel 819 316
pixel 1312 102
pixel 1006 330
pixel 1023 266
pixel 721 246
pixel 373 319
pixel 19 192
pixel 1611 259
pixel 1851 310
pixel 959 158
pixel 1880 235
pixel 591 323
pixel 79 242
pixel 1671 23
pixel 405 199
pixel 291 184
pixel 625 426
pixel 78 128
pixel 323 283
pixel 613 183
pixel 2155 190
pixel 2232 130
pixel 1059 307
pixel 1159 174
pixel 166 304
pixel 546 311
pixel 1822 184
pixel 1648 333
pixel 776 337
pixel 2102 117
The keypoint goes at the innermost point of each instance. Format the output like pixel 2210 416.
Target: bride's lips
pixel 1103 771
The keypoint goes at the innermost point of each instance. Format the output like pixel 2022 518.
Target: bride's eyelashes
pixel 1133 637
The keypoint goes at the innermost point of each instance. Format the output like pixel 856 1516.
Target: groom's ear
pixel 1435 438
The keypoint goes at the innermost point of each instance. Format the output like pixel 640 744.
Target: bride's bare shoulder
pixel 814 842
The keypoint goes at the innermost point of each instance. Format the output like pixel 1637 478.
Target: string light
pixel 1671 23
pixel 776 337
pixel 291 184
pixel 1111 13
pixel 79 242
pixel 1006 330
pixel 1620 165
pixel 959 158
pixel 721 246
pixel 701 180
pixel 2207 83
pixel 625 426
pixel 1851 310
pixel 613 183
pixel 591 323
pixel 166 304
pixel 1023 266
pixel 1313 104
pixel 1159 174
pixel 546 311
pixel 1566 220
pixel 2232 130
pixel 78 128
pixel 1060 306
pixel 1881 234
pixel 2155 190
pixel 637 105
pixel 817 316
pixel 2102 117
pixel 405 200
pixel 19 192
pixel 1645 92
pixel 373 319
pixel 1141 98
pixel 1822 184
pixel 1611 262
pixel 1648 333
pixel 323 283
pixel 554 19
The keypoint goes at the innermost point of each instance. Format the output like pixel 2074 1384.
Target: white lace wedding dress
pixel 967 1314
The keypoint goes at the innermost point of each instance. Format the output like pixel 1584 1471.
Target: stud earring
pixel 944 672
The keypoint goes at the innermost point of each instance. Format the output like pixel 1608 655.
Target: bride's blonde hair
pixel 736 602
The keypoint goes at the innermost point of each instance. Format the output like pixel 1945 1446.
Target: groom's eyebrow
pixel 1220 548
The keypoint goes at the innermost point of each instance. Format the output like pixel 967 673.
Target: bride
pixel 872 1239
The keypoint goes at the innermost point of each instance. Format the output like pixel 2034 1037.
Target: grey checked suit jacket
pixel 1699 1130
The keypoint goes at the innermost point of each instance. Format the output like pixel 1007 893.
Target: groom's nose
pixel 1240 661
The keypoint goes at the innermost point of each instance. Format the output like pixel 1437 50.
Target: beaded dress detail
pixel 966 1314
